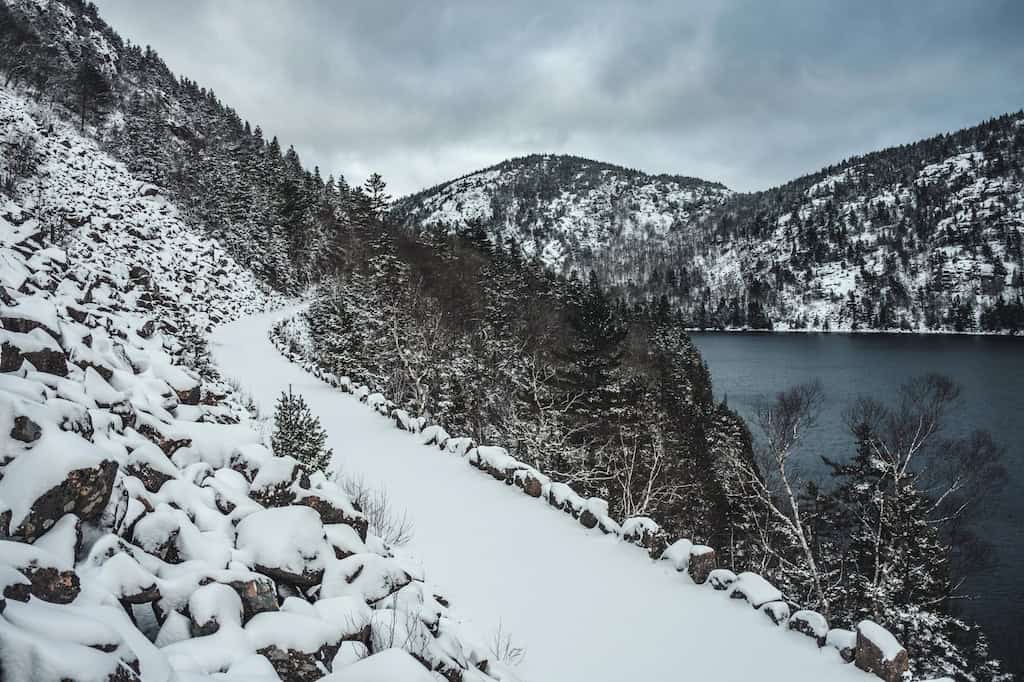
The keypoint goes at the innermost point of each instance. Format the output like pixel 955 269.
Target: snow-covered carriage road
pixel 584 606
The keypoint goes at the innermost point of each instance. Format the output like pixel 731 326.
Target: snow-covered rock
pixel 878 652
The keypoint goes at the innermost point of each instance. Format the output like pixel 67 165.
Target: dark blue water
pixel 745 367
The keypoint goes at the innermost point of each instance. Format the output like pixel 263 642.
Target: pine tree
pixel 297 432
pixel 92 92
pixel 376 191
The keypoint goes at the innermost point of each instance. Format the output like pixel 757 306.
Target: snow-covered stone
pixel 286 543
pixel 878 652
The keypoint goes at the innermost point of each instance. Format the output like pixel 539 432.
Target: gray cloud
pixel 748 92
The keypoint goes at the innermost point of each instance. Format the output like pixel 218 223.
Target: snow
pixel 678 554
pixel 576 600
pixel 215 602
pixel 291 631
pixel 754 589
pixel 288 538
pixel 392 665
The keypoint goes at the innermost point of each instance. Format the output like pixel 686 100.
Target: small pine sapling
pixel 297 432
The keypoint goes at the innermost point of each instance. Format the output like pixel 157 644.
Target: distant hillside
pixel 921 237
pixel 569 212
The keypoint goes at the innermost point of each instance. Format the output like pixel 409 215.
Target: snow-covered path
pixel 584 606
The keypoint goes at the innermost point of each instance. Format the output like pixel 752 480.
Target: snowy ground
pixel 583 605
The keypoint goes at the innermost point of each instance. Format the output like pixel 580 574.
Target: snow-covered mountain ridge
pixel 564 210
pixel 922 237
pixel 146 531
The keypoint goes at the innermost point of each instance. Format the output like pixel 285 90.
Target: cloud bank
pixel 748 93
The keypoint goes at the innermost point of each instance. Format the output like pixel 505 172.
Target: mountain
pixel 564 210
pixel 922 237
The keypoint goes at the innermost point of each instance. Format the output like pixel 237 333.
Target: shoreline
pixel 855 332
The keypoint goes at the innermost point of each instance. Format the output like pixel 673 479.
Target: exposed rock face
pixel 83 492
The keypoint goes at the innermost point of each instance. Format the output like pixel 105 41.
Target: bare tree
pixel 419 336
pixel 910 457
pixel 773 481
pixel 393 526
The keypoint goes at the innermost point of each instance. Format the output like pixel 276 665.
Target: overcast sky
pixel 748 93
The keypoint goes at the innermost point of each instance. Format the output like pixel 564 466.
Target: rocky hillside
pixel 146 530
pixel 922 237
pixel 272 214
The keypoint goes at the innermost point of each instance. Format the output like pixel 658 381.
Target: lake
pixel 745 367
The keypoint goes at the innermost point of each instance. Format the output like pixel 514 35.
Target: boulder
pixel 777 611
pixel 36 347
pixel 878 652
pixel 333 512
pixel 754 589
pixel 258 595
pixel 644 532
pixel 843 641
pixel 166 442
pixel 285 543
pixel 34 314
pixel 50 578
pixel 587 519
pixel 147 329
pixel 678 554
pixel 83 492
pixel 151 466
pixel 189 396
pixel 211 606
pixel 273 482
pixel 530 481
pixel 810 623
pixel 702 564
pixel 720 578
pixel 157 533
pixel 25 430
pixel 139 276
pixel 293 665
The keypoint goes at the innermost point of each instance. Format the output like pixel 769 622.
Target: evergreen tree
pixel 93 93
pixel 376 193
pixel 297 432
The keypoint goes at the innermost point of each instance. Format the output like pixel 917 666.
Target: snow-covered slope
pixel 146 531
pixel 924 237
pixel 582 605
